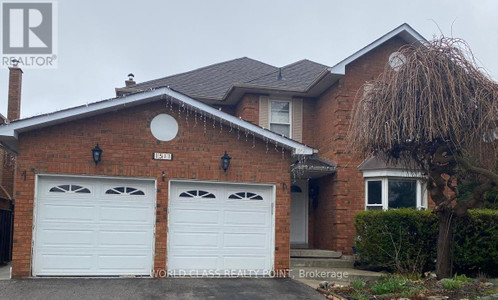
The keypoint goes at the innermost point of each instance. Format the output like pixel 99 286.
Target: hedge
pixel 405 240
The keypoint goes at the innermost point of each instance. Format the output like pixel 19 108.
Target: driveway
pixel 168 288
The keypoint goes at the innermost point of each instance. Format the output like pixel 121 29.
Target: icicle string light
pixel 201 116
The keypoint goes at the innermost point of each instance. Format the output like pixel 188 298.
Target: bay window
pixel 395 192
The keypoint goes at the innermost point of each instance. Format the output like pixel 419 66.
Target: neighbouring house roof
pixel 404 31
pixel 220 82
pixel 9 132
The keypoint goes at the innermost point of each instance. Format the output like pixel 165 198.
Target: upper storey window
pixel 280 117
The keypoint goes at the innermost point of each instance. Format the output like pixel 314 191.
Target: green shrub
pixel 476 242
pixel 389 284
pixel 451 284
pixel 404 240
pixel 358 284
pixel 401 240
pixel 462 278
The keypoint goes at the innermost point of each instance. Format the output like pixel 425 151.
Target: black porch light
pixel 225 161
pixel 97 154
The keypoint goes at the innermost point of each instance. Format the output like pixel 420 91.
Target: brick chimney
pixel 14 98
pixel 130 81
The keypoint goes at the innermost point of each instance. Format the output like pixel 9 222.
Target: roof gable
pixel 405 31
pixel 9 132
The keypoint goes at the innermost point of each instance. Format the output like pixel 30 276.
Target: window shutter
pixel 297 120
pixel 264 112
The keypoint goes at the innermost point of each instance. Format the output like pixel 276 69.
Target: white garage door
pixel 224 228
pixel 93 227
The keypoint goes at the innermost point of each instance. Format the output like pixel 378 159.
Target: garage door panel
pixel 64 238
pixel 246 240
pixel 195 216
pixel 190 262
pixel 226 234
pixel 53 212
pixel 246 218
pixel 123 262
pixel 195 239
pixel 92 234
pixel 244 262
pixel 58 263
pixel 140 239
pixel 128 214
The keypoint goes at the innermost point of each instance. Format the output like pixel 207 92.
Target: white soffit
pixel 9 132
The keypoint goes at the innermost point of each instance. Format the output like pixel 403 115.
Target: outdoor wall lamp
pixel 97 154
pixel 225 161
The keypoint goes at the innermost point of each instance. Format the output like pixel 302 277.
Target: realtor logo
pixel 29 34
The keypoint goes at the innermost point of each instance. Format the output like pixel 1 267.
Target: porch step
pixel 314 253
pixel 332 274
pixel 346 261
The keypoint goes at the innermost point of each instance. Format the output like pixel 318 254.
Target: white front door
pixel 220 227
pixel 87 226
pixel 299 213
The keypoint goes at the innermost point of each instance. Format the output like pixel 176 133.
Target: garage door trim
pixel 272 204
pixel 86 177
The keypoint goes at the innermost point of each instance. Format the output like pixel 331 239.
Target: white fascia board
pixel 393 173
pixel 9 131
pixel 408 34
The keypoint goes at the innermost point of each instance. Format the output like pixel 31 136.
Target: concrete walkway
pixel 167 288
pixel 5 272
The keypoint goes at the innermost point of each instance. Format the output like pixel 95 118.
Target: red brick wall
pixel 342 195
pixel 128 146
pixel 309 121
pixel 248 108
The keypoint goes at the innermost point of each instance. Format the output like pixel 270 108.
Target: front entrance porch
pixel 304 197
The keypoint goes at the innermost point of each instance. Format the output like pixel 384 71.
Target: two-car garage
pixel 90 226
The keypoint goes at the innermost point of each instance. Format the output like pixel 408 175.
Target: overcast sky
pixel 100 42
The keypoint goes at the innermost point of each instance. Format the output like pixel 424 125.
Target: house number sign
pixel 162 156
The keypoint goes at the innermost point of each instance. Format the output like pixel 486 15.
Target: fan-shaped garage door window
pixel 123 190
pixel 69 188
pixel 245 196
pixel 197 194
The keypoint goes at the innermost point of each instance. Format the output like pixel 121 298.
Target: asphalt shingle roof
pixel 297 76
pixel 214 81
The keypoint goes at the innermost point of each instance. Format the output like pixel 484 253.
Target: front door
pixel 299 213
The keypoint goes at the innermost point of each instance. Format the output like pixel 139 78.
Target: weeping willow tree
pixel 436 112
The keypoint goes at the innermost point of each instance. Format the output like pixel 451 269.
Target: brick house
pixel 164 197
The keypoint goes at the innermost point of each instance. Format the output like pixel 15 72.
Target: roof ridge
pixel 286 66
pixel 198 69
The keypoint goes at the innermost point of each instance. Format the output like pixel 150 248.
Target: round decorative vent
pixel 164 127
pixel 396 60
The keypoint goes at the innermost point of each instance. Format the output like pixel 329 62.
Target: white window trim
pixel 290 114
pixel 385 175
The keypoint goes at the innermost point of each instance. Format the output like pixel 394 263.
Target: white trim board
pixel 9 132
pixel 405 31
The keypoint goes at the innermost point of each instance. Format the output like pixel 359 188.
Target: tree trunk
pixel 444 263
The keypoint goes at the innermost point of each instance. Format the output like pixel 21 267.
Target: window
pixel 245 196
pixel 374 194
pixel 280 117
pixel 401 193
pixel 69 188
pixel 391 192
pixel 122 190
pixel 197 194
